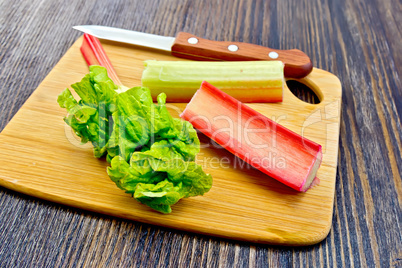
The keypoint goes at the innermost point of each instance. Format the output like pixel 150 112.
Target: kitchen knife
pixel 189 46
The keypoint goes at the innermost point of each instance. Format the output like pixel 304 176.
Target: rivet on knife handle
pixel 297 63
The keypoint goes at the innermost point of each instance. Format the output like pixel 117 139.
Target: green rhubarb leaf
pixel 90 116
pixel 158 196
pixel 161 163
pixel 67 100
pixel 151 154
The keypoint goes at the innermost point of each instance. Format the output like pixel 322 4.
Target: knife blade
pixel 189 46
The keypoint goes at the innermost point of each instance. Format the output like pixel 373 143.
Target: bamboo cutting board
pixel 41 157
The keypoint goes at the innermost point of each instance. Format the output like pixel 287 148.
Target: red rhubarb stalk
pixel 271 148
pixel 94 54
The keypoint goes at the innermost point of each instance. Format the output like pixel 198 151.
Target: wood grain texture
pixel 359 41
pixel 42 157
pixel 297 63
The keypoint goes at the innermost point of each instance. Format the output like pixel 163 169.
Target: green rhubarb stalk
pixel 251 81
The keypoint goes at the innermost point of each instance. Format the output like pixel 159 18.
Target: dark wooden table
pixel 359 41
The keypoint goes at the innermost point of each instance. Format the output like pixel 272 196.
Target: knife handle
pixel 297 63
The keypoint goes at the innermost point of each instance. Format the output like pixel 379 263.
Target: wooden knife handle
pixel 297 63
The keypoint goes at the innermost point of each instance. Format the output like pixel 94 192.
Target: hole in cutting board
pixel 303 92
